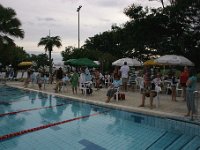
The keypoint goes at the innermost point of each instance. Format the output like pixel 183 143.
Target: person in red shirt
pixel 183 79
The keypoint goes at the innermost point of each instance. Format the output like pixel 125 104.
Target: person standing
pixel 124 75
pixel 74 82
pixel 173 86
pixel 132 77
pixel 28 79
pixel 97 78
pixel 191 87
pixel 39 80
pixel 183 79
pixel 59 76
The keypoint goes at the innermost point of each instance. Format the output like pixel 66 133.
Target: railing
pixel 196 102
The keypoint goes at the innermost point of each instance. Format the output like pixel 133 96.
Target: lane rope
pixel 15 134
pixel 25 110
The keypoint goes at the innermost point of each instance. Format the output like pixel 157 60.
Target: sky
pixel 40 18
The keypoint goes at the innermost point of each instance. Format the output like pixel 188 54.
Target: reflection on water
pixel 52 114
pixel 32 96
pixel 75 108
pixel 43 97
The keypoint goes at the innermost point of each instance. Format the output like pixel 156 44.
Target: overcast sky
pixel 61 18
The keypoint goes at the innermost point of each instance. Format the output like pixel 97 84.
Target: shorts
pixel 183 84
pixel 148 94
pixel 124 80
pixel 147 91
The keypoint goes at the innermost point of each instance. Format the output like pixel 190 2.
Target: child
pixel 65 81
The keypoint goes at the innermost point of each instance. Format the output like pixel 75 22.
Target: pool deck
pixel 167 108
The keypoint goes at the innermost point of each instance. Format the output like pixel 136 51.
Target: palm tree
pixel 9 26
pixel 49 42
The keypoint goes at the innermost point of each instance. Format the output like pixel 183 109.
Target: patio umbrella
pixel 68 62
pixel 25 63
pixel 151 62
pixel 174 60
pixel 83 62
pixel 130 62
pixel 97 62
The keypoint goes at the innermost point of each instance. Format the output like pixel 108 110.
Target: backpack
pixel 121 96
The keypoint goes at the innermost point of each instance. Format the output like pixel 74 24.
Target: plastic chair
pixel 179 90
pixel 107 80
pixel 158 90
pixel 85 86
pixel 117 93
pixel 167 86
pixel 139 83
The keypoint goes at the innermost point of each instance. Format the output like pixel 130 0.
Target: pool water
pixel 34 120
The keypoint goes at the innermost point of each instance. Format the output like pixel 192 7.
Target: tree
pixel 9 26
pixel 173 29
pixel 49 42
pixel 12 55
pixel 41 60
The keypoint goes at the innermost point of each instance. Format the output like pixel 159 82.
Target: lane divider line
pixel 15 134
pixel 25 110
pixel 21 100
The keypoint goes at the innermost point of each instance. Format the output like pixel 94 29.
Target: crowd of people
pixel 187 82
pixel 121 77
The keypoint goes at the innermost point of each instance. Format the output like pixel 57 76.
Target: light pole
pixel 78 10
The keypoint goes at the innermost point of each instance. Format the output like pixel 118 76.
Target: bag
pixel 174 80
pixel 153 86
pixel 89 91
pixel 169 91
pixel 121 96
pixel 148 94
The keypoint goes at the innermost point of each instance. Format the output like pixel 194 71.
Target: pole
pixel 78 29
pixel 78 10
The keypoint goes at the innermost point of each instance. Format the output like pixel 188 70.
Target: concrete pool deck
pixel 166 108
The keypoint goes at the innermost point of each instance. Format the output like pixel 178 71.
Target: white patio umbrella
pixel 174 60
pixel 97 62
pixel 130 62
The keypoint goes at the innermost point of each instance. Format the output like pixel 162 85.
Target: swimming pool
pixel 34 120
